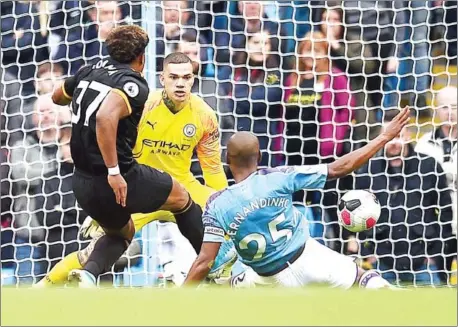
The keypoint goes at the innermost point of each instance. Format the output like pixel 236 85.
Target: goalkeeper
pixel 174 124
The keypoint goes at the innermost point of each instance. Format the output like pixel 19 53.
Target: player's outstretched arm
pixel 112 109
pixel 353 160
pixel 201 267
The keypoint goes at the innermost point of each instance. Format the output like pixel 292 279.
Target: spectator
pixel 71 17
pixel 350 54
pixel 7 249
pixel 253 90
pixel 445 26
pixel 413 234
pixel 451 33
pixel 31 159
pixel 380 23
pixel 87 45
pixel 249 17
pixel 67 17
pixel 23 46
pixel 318 105
pixel 440 142
pixel 57 203
pixel 318 113
pixel 10 108
pixel 48 76
pixel 177 18
pixel 418 42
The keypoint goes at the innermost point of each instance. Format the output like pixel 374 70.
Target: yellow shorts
pixel 199 193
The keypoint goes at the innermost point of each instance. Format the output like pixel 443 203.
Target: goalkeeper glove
pixel 90 228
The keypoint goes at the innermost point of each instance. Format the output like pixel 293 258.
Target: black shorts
pixel 147 190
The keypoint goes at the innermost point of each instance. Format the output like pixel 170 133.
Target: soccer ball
pixel 359 210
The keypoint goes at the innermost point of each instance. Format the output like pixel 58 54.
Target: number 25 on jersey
pixel 260 239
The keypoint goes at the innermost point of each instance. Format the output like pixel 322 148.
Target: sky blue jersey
pixel 258 215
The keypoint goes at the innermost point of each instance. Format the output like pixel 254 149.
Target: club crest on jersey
pixel 189 130
pixel 131 89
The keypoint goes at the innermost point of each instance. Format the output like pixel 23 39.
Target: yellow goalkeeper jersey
pixel 166 141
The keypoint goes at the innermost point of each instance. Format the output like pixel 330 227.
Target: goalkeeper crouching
pixel 174 124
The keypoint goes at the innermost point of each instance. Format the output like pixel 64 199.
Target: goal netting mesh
pixel 312 79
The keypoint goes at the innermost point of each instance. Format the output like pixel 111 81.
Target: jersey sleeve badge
pixel 131 89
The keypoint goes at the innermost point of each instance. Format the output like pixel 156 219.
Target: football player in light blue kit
pixel 270 235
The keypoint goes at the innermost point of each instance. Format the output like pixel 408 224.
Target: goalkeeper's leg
pixel 59 273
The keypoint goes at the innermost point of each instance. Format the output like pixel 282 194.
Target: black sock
pixel 107 250
pixel 190 224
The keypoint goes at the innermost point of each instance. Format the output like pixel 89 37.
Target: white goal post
pixel 386 55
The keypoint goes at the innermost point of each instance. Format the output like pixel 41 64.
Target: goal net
pixel 312 79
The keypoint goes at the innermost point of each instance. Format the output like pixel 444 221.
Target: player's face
pixel 177 80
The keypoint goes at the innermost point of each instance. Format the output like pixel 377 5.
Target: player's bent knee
pixel 127 232
pixel 178 198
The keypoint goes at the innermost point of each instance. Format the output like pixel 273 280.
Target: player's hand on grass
pixel 119 186
pixel 396 125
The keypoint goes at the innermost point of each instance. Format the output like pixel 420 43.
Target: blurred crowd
pixel 312 79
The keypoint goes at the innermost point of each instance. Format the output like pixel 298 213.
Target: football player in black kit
pixel 107 100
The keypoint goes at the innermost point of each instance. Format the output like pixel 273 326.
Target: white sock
pixel 372 280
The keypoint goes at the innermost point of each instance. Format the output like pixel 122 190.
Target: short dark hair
pixel 177 58
pixel 126 43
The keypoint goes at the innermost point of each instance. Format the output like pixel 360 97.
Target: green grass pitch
pixel 262 307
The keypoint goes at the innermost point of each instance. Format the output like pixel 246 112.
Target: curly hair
pixel 125 43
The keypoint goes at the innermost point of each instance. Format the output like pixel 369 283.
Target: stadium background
pixel 402 52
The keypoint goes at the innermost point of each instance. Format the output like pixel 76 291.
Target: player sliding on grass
pixel 174 124
pixel 270 235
